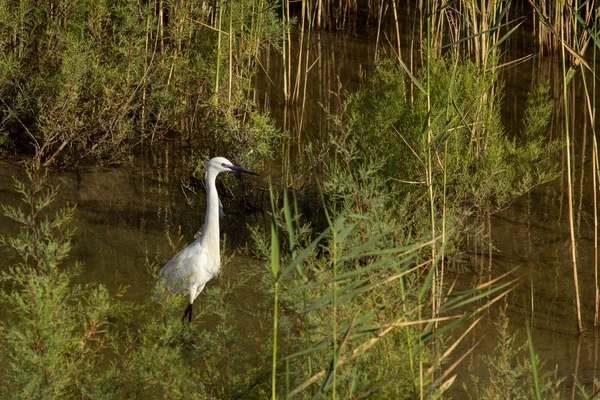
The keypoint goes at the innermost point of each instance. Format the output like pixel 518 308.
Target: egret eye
pixel 223 165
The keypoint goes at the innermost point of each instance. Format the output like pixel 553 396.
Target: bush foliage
pixel 87 80
pixel 476 167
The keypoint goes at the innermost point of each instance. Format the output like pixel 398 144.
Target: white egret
pixel 200 261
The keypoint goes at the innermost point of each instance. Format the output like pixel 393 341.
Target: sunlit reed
pixel 569 185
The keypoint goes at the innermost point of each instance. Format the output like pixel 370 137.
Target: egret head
pixel 221 164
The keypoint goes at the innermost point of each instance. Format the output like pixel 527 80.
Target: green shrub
pixel 56 334
pixel 476 167
pixel 89 80
pixel 509 371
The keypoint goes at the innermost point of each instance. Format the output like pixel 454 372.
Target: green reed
pixel 341 283
pixel 461 143
pixel 275 254
pixel 534 369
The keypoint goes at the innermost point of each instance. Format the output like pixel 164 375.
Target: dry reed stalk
pixel 284 53
pixel 595 363
pixel 570 187
pixel 296 92
pixel 289 49
pixel 379 18
pixel 591 116
pixel 412 71
pixel 397 28
pixel 318 11
pixel 595 189
pixel 306 71
pixel 576 367
pixel 556 17
pixel 230 34
pixel 220 13
pixel 581 167
pixel 429 167
pixel 161 25
pixel 592 109
pixel 145 86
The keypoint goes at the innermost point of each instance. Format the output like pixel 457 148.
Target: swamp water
pixel 124 212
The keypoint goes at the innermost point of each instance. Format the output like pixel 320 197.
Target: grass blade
pixel 534 371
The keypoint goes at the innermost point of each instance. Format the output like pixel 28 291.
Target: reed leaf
pixel 326 342
pixel 385 263
pixel 289 222
pixel 429 279
pixel 275 252
pixel 412 77
pixel 505 36
pixel 302 255
pixel 465 298
pixel 476 35
pixel 361 251
pixel 533 359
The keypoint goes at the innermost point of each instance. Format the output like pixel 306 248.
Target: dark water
pixel 123 213
pixel 532 239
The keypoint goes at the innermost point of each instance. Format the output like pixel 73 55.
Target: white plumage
pixel 200 261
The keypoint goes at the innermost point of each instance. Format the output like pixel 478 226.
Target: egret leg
pixel 187 313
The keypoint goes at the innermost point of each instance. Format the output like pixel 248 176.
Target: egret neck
pixel 210 233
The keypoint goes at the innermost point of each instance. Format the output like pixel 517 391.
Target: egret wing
pixel 181 271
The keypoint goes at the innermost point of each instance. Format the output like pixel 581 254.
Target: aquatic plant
pixel 511 373
pixel 352 317
pixel 360 302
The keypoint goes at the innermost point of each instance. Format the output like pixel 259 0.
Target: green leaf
pixel 287 213
pixel 274 238
pixel 534 371
pixel 413 78
pixel 303 254
pixel 429 278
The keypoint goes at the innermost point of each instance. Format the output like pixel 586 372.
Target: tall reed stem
pixel 274 358
pixel 275 271
pixel 570 186
pixel 218 49
pixel 230 50
pixel 595 183
pixel 397 29
pixel 430 159
pixel 334 319
pixel 591 108
pixel 284 52
pixel 596 174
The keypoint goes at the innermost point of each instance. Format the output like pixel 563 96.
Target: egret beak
pixel 240 169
